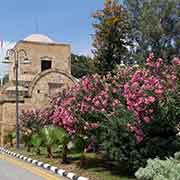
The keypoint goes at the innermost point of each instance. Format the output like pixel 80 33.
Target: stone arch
pixel 44 73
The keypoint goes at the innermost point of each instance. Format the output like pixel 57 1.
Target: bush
pixel 119 144
pixel 134 111
pixel 9 138
pixel 157 169
pixel 159 136
pixel 151 112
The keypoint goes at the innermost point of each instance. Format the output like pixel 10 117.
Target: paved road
pixel 13 169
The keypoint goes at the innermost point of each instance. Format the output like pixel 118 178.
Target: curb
pixel 46 166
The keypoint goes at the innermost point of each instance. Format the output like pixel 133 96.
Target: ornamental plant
pixel 148 89
pixel 147 98
pixel 119 144
pixel 140 89
pixel 91 95
pixel 157 169
pixel 81 109
pixel 152 96
pixel 33 120
pixel 31 123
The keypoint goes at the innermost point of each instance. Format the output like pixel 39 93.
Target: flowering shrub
pixel 140 89
pixel 152 96
pixel 148 87
pixel 33 120
pixel 147 98
pixel 119 144
pixel 91 95
pixel 30 121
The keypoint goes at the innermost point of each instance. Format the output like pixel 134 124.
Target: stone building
pixel 48 71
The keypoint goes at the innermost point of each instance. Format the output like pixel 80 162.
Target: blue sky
pixel 62 20
pixel 67 21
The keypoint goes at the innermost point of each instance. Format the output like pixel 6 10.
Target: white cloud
pixel 82 51
pixel 4 67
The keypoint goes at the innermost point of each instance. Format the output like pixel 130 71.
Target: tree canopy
pixel 156 27
pixel 82 65
pixel 112 38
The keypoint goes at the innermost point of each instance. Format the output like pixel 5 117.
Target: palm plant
pixel 55 136
pixel 36 141
pixel 49 139
pixel 63 138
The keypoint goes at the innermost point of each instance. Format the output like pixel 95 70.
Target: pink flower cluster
pixel 141 92
pixel 91 94
pixel 139 88
pixel 147 86
pixel 63 118
pixel 176 61
pixel 31 120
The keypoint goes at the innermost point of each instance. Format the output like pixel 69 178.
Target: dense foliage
pixel 82 65
pixel 130 108
pixel 112 37
pixel 128 113
pixel 157 169
pixel 119 144
pixel 155 27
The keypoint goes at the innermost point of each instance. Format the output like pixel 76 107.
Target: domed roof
pixel 38 38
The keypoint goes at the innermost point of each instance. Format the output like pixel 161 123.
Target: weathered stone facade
pixel 49 70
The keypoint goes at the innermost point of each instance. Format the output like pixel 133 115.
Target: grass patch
pixel 95 168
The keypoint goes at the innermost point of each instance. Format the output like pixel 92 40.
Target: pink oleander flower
pixel 150 100
pixel 147 119
pixel 159 91
pixel 139 88
pixel 159 63
pixel 85 83
pixel 150 60
pixel 176 61
pixel 114 90
pixel 138 134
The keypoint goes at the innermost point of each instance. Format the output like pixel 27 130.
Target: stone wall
pixel 59 54
pixel 8 116
pixel 35 87
pixel 48 83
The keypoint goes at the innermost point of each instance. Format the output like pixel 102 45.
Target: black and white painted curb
pixel 53 169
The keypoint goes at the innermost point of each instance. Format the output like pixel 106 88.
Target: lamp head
pixel 26 61
pixel 6 60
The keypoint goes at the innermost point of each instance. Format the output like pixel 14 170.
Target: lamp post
pixel 16 54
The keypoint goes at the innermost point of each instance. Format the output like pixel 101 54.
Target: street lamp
pixel 16 54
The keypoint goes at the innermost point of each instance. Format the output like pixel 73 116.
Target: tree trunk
pixel 28 148
pixel 11 143
pixel 38 152
pixel 64 154
pixel 82 160
pixel 49 150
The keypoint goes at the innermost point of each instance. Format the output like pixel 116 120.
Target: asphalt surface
pixel 13 169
